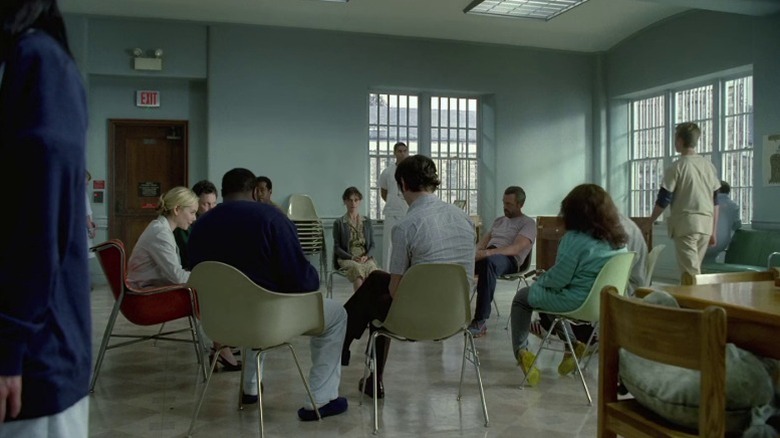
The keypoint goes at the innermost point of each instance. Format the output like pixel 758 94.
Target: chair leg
pixel 162 327
pixel 202 396
pixel 329 285
pixel 305 382
pixel 470 347
pixel 577 364
pixel 498 314
pixel 258 358
pixel 244 363
pixel 369 365
pixel 375 335
pixel 197 341
pixel 590 345
pixel 104 343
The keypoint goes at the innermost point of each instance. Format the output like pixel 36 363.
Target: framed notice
pixel 771 161
pixel 149 189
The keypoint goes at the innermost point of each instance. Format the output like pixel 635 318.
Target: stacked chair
pixel 311 233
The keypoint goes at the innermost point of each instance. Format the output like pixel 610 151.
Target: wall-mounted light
pixel 141 62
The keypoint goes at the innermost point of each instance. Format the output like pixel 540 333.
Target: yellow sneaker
pixel 567 365
pixel 524 360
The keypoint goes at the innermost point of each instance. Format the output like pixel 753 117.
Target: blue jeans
pixel 488 270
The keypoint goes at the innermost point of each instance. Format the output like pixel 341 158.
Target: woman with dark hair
pixel 353 240
pixel 45 327
pixel 593 235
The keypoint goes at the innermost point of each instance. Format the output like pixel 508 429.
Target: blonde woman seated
pixel 353 240
pixel 155 258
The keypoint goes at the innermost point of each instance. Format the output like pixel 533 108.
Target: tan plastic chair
pixel 431 304
pixel 236 311
pixel 727 277
pixel 301 208
pixel 693 339
pixel 652 259
pixel 614 273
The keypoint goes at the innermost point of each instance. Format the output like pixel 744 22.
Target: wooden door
pixel 146 159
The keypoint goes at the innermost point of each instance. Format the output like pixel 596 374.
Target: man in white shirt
pixel 434 231
pixel 395 206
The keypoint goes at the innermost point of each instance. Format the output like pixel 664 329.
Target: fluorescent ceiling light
pixel 538 9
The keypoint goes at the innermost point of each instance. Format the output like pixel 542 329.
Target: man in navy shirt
pixel 261 242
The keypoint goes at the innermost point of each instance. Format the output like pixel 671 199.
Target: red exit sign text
pixel 147 98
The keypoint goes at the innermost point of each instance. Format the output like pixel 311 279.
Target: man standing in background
pixel 395 206
pixel 728 222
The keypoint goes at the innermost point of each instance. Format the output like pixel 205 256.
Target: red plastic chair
pixel 144 307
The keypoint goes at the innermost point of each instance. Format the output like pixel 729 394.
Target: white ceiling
pixel 593 26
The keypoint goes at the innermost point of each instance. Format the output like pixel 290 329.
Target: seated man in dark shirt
pixel 261 242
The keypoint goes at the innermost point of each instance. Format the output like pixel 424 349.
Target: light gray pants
pixel 70 423
pixel 325 372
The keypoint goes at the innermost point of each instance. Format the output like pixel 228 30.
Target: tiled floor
pixel 147 390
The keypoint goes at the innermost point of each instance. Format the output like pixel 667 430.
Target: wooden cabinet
pixel 550 230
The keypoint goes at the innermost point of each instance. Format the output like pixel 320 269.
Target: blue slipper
pixel 334 407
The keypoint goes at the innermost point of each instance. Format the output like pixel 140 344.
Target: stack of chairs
pixel 311 233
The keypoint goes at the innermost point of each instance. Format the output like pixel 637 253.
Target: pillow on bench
pixel 674 392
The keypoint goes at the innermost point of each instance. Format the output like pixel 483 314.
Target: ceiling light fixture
pixel 537 9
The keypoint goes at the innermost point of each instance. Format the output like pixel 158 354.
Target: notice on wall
pixel 149 189
pixel 771 161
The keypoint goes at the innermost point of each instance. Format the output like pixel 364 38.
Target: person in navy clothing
pixel 45 327
pixel 260 241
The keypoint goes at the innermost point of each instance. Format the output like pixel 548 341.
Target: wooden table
pixel 752 309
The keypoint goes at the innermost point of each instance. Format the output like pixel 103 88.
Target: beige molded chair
pixel 419 313
pixel 727 277
pixel 309 228
pixel 614 273
pixel 693 339
pixel 652 259
pixel 236 311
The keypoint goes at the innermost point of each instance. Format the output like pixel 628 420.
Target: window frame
pixel 719 123
pixel 424 129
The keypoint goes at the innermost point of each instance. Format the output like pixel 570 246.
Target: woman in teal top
pixel 593 236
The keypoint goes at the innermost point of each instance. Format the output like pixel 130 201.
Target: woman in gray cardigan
pixel 353 240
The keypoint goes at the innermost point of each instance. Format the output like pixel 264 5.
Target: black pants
pixel 371 301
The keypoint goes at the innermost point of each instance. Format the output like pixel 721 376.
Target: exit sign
pixel 147 98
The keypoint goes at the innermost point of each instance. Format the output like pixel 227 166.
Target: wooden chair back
pixel 727 277
pixel 693 339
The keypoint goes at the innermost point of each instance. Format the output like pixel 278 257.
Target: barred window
pixel 454 149
pixel 391 118
pixel 453 143
pixel 723 110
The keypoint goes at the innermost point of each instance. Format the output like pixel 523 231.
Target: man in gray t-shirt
pixel 432 231
pixel 500 252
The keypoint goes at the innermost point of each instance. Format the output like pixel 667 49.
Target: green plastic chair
pixel 236 311
pixel 431 304
pixel 615 273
